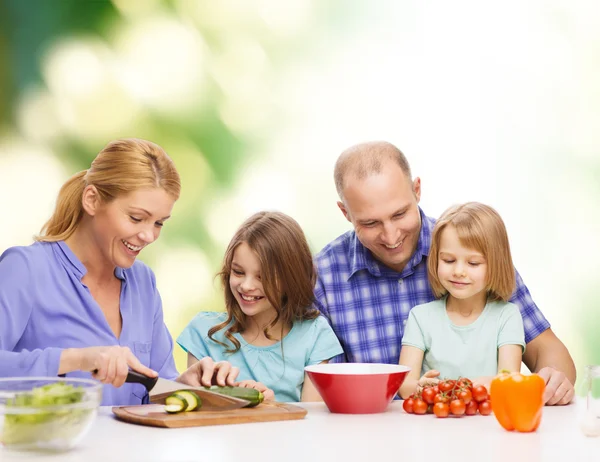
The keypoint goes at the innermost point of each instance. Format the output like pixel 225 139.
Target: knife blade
pixel 159 389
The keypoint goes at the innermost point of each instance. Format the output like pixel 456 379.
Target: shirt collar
pixel 70 260
pixel 361 258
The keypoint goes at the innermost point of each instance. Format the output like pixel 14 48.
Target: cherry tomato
pixel 419 406
pixel 457 407
pixel 465 395
pixel 485 407
pixel 480 393
pixel 441 410
pixel 446 386
pixel 472 408
pixel 441 398
pixel 436 389
pixel 428 395
pixel 465 382
pixel 407 405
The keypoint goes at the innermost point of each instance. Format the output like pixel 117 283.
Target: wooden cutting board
pixel 155 416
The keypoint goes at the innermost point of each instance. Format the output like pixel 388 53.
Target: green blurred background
pixel 254 100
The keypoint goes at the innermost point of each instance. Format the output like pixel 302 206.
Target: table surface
pixel 322 435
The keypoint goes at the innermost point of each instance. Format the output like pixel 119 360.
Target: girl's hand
pixel 206 372
pixel 429 379
pixel 267 392
pixel 108 364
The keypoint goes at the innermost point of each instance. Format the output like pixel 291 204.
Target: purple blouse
pixel 45 308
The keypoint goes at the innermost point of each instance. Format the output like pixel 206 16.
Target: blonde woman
pixel 77 302
pixel 471 330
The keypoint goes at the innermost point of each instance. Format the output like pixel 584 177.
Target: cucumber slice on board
pixel 175 404
pixel 193 400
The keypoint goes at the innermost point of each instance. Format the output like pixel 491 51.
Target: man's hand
pixel 559 391
pixel 206 372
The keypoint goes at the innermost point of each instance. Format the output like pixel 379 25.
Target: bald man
pixel 370 278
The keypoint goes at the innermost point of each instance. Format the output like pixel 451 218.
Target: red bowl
pixel 357 388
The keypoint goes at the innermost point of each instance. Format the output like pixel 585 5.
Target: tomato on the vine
pixel 446 386
pixel 457 407
pixel 480 393
pixel 441 398
pixel 441 410
pixel 419 406
pixel 449 397
pixel 465 395
pixel 428 394
pixel 472 408
pixel 465 383
pixel 485 407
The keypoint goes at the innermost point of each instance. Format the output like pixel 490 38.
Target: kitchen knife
pixel 159 389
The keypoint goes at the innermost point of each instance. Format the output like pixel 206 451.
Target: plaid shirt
pixel 367 303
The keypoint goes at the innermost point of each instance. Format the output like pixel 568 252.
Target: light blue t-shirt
pixel 46 308
pixel 307 343
pixel 468 351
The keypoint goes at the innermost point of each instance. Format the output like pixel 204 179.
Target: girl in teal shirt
pixel 471 330
pixel 270 330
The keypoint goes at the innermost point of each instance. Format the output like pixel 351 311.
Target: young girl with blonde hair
pixel 270 330
pixel 471 330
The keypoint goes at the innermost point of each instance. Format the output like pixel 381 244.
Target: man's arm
pixel 548 356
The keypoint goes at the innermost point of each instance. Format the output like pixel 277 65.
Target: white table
pixel 322 436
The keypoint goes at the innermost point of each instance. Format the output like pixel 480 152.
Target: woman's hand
pixel 108 364
pixel 267 392
pixel 206 372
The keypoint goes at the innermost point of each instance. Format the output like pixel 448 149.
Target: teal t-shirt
pixel 468 351
pixel 307 343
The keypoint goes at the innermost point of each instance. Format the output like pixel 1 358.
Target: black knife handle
pixel 136 377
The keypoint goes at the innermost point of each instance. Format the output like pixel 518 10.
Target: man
pixel 371 277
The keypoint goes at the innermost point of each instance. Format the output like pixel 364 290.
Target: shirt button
pixel 400 281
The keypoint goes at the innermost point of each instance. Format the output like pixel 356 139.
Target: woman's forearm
pixel 70 360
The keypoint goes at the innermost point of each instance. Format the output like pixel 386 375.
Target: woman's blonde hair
pixel 288 274
pixel 122 167
pixel 479 227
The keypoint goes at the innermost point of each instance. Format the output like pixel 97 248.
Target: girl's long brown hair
pixel 122 167
pixel 287 272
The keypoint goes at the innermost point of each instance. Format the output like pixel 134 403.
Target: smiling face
pixel 383 208
pixel 461 271
pixel 127 224
pixel 246 285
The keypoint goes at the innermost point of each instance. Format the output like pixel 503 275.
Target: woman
pixel 77 302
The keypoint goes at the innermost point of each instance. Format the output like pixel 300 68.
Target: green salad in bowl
pixel 46 413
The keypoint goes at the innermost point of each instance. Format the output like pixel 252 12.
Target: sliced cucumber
pixel 193 400
pixel 173 408
pixel 175 404
pixel 182 401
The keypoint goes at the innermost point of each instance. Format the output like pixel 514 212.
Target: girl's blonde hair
pixel 122 167
pixel 480 228
pixel 287 272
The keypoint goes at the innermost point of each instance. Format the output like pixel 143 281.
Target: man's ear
pixel 90 200
pixel 417 188
pixel 342 207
